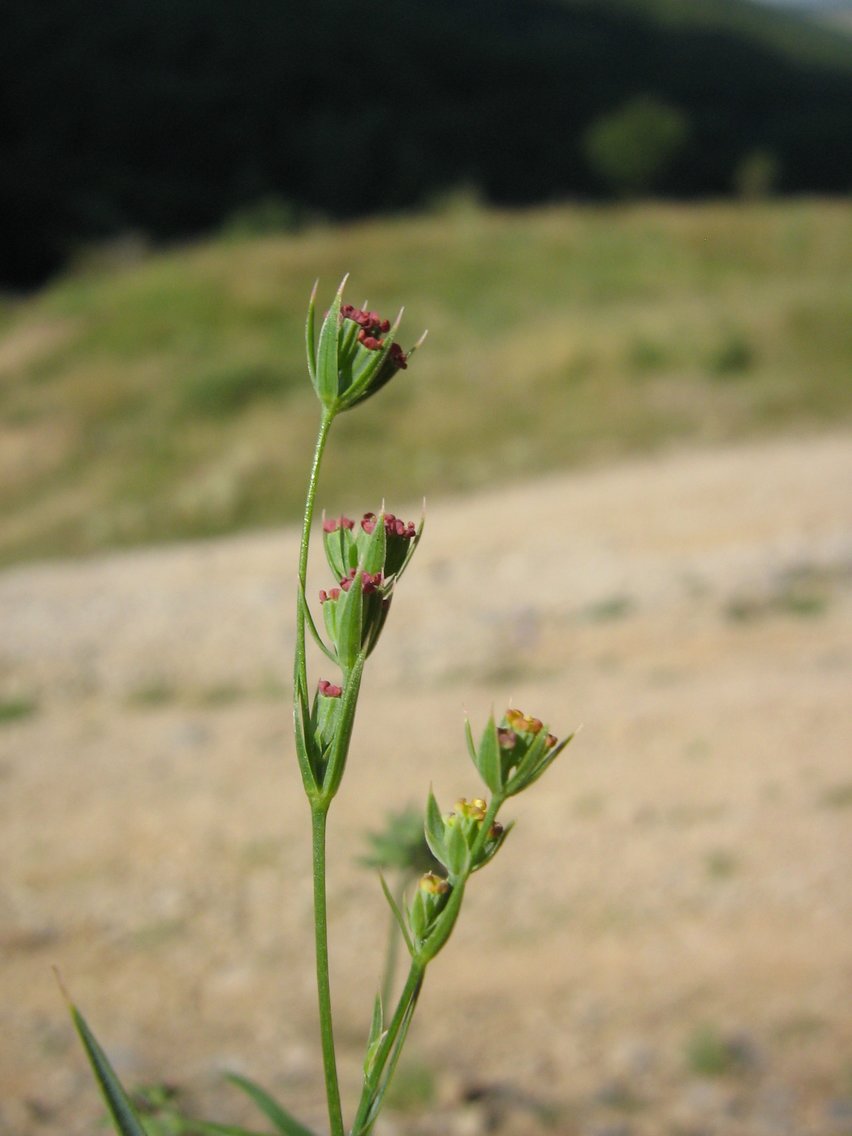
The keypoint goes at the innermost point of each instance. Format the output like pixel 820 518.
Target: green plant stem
pixel 304 546
pixel 319 807
pixel 319 813
pixel 389 1049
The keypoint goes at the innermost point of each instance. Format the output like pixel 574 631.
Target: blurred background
pixel 626 225
pixel 639 201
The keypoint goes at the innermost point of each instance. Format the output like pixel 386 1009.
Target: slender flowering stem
pixel 319 809
pixel 354 356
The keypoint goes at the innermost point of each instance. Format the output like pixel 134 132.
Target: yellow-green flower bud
pixel 513 754
pixel 432 884
pixel 456 839
pixel 427 904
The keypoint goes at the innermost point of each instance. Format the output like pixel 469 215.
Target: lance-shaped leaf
pixel 434 830
pixel 488 758
pixel 305 752
pixel 374 548
pixel 210 1128
pixel 126 1122
pixel 310 336
pixel 537 760
pixel 492 846
pixel 339 749
pixel 341 550
pixel 377 1036
pixel 284 1122
pixel 327 368
pixel 397 914
pixel 350 622
pixel 458 852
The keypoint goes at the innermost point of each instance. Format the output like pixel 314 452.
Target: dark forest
pixel 166 119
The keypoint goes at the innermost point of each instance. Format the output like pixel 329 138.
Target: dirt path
pixel 665 944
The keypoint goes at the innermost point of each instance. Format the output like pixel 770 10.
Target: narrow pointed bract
pixel 357 353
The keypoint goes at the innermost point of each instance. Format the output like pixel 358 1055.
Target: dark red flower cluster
pixel 370 581
pixel 329 689
pixel 393 526
pixel 371 324
pixel 372 328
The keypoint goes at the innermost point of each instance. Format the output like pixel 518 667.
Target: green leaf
pixel 458 853
pixel 376 1037
pixel 373 559
pixel 397 914
pixel 286 1124
pixel 434 830
pixel 343 735
pixel 350 622
pixel 528 772
pixel 337 544
pixel 418 916
pixel 376 1023
pixel 327 353
pixel 468 733
pixel 494 848
pixel 301 717
pixel 312 627
pixel 489 758
pixel 210 1128
pixel 310 337
pixel 126 1122
pixel 377 1095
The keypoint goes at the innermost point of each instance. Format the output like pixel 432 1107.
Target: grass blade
pixel 209 1128
pixel 286 1124
pixel 126 1122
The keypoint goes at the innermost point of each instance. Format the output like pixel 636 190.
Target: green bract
pixel 514 754
pixel 428 902
pixel 460 840
pixel 356 353
pixel 377 544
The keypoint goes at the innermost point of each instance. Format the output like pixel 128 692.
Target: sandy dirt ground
pixel 663 946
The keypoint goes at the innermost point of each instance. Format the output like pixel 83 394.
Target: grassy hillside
pixel 168 398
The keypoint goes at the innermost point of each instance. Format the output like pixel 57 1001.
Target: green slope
pixel 168 399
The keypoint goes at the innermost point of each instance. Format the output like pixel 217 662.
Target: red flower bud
pixel 370 581
pixel 398 357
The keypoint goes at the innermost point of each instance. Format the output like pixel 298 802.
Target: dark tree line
pixel 166 117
